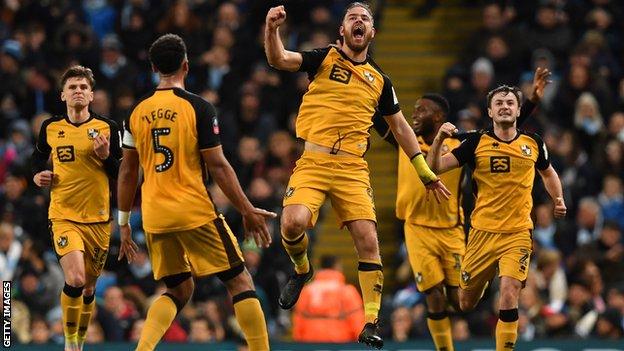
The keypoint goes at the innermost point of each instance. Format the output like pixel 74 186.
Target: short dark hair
pixel 328 261
pixel 167 53
pixel 358 4
pixel 504 89
pixel 440 101
pixel 78 72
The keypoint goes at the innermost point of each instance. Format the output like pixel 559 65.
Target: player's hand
pixel 275 17
pixel 448 129
pixel 43 178
pixel 128 247
pixel 101 146
pixel 439 190
pixel 560 208
pixel 256 227
pixel 541 78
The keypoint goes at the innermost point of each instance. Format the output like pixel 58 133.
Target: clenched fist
pixel 275 17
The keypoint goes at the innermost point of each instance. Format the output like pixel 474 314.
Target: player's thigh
pixel 479 263
pixel 211 248
pixel 453 250
pixel 515 254
pixel 351 194
pixel 68 246
pixel 422 251
pixel 167 254
pixel 96 241
pixel 308 184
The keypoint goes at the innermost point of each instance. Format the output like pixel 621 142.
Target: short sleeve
pixel 388 102
pixel 312 60
pixel 543 159
pixel 207 125
pixel 42 142
pixel 465 152
pixel 127 141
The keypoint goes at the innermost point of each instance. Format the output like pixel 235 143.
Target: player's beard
pixel 357 48
pixel 426 127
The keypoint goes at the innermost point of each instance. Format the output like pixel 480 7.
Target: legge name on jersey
pixel 160 114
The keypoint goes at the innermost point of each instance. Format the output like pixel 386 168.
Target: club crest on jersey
pixel 62 242
pixel 289 191
pixel 526 150
pixel 465 276
pixel 215 125
pixel 369 76
pixel 92 133
pixel 419 278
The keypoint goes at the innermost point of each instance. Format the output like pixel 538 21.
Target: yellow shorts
pixel 211 248
pixel 435 254
pixel 511 252
pixel 90 238
pixel 345 179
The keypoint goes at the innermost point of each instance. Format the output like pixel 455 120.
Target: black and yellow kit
pixel 337 112
pixel 169 128
pixel 434 235
pixel 79 211
pixel 503 174
pixel 342 97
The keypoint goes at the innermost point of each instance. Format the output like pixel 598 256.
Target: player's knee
pixel 509 294
pixel 88 290
pixel 436 301
pixel 180 285
pixel 75 278
pixel 292 226
pixel 239 282
pixel 368 246
pixel 453 297
pixel 467 302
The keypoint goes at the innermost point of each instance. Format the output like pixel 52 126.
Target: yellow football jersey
pixel 168 128
pixel 503 174
pixel 342 97
pixel 411 204
pixel 80 191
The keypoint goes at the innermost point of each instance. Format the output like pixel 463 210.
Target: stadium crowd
pixel 576 283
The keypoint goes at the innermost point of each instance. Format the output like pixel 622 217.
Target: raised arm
pixel 440 164
pixel 406 138
pixel 277 56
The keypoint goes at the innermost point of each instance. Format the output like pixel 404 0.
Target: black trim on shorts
pixel 249 294
pixel 228 245
pixel 171 281
pixel 369 267
pixel 231 273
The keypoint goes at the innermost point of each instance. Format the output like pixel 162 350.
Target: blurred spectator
pixel 550 33
pixel 201 331
pixel 609 325
pixel 328 310
pixel 10 251
pixel 588 122
pixel 550 279
pixel 589 221
pixel 608 253
pixel 40 331
pixel 611 199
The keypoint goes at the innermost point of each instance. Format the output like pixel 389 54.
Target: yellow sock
pixel 440 328
pixel 88 303
pixel 71 301
pixel 297 250
pixel 159 318
pixel 251 320
pixel 507 330
pixel 371 278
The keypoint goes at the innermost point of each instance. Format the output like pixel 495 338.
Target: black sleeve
pixel 207 125
pixel 111 164
pixel 382 127
pixel 464 135
pixel 543 159
pixel 388 102
pixel 312 60
pixel 41 153
pixel 465 152
pixel 526 111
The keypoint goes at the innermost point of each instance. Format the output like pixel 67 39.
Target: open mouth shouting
pixel 358 31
